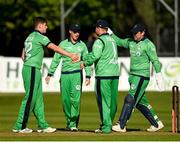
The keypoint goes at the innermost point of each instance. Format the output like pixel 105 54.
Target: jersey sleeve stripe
pixel 48 44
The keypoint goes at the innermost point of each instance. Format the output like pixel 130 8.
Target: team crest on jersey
pixel 138 53
pixel 135 53
pixel 79 49
pixel 78 87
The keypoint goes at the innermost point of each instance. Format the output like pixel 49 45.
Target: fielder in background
pixel 105 58
pixel 32 56
pixel 71 76
pixel 142 52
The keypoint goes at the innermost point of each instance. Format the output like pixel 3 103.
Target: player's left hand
pixel 75 57
pixel 160 81
pixel 87 81
pixel 82 66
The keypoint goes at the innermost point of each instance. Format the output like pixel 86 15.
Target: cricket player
pixel 32 56
pixel 105 58
pixel 71 76
pixel 142 52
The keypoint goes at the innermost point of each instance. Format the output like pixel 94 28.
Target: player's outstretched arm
pixel 55 48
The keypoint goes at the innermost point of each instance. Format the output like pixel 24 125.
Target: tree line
pixel 17 16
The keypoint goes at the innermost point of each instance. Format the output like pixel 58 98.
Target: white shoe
pixel 154 129
pixel 47 130
pixel 98 131
pixel 117 128
pixel 26 130
pixel 74 129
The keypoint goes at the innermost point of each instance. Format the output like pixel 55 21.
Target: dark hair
pixel 38 20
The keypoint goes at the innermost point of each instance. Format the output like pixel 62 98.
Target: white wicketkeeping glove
pixel 160 81
pixel 109 31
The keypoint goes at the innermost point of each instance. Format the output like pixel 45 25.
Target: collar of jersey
pixel 104 34
pixel 38 31
pixel 140 40
pixel 69 40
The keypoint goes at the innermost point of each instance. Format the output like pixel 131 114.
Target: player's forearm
pixel 23 54
pixel 54 63
pixel 157 66
pixel 52 68
pixel 152 55
pixel 88 71
pixel 89 59
pixel 59 50
pixel 120 42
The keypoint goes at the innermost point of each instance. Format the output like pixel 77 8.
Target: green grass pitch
pixel 89 120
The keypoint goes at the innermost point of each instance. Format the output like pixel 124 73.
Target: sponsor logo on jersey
pixel 135 53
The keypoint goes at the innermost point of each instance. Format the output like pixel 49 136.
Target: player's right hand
pixel 87 82
pixel 75 57
pixel 47 79
pixel 82 66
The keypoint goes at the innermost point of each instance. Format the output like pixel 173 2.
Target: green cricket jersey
pixel 67 65
pixel 104 55
pixel 34 49
pixel 141 54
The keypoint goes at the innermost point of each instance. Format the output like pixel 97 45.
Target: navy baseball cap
pixel 75 28
pixel 102 24
pixel 140 27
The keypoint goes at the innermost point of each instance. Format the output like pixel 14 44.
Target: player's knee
pixel 129 99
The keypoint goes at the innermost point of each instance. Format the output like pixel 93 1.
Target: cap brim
pixel 76 30
pixel 134 31
pixel 102 27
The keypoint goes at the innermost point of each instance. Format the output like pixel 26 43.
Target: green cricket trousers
pixel 106 96
pixel 71 89
pixel 138 85
pixel 33 99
